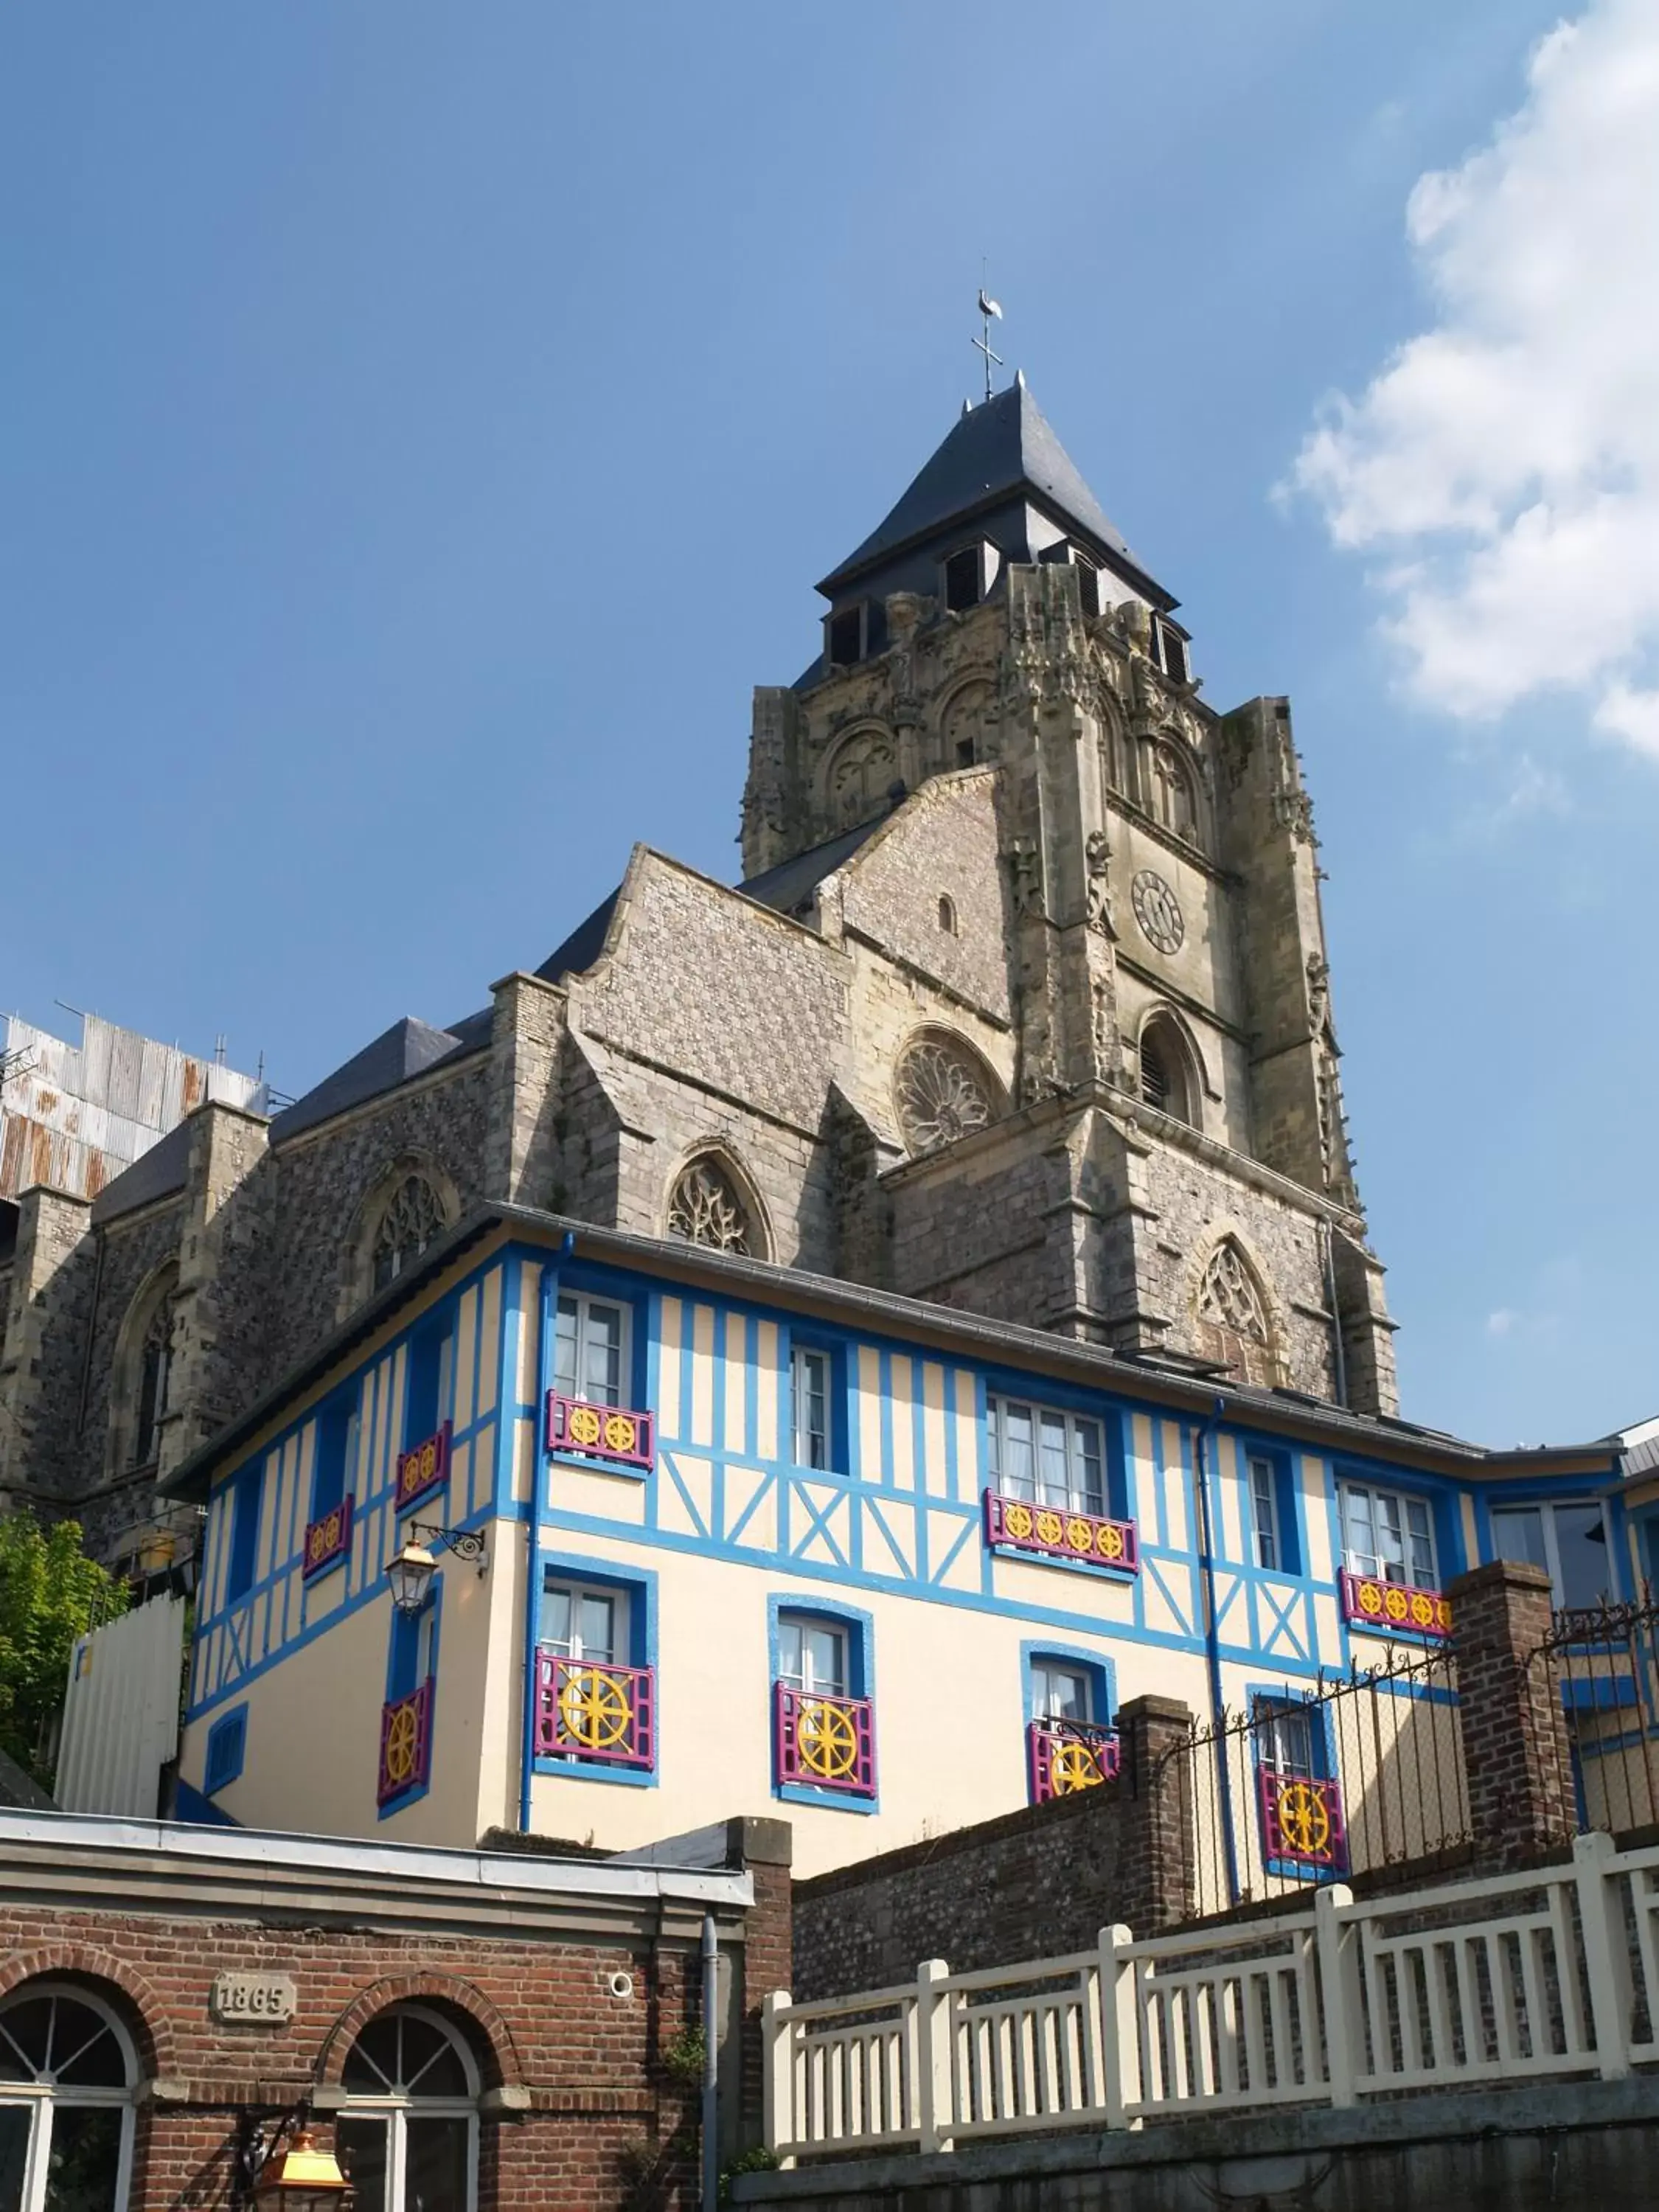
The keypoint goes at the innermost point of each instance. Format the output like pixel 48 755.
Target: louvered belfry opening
pixel 1155 1080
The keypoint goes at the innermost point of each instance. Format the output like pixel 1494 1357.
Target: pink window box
pixel 1301 1823
pixel 1016 1524
pixel 405 1743
pixel 824 1743
pixel 1370 1603
pixel 584 1711
pixel 327 1540
pixel 1067 1756
pixel 602 1432
pixel 421 1469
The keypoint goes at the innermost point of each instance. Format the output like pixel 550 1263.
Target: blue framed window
pixel 413 1658
pixel 1301 1823
pixel 246 1495
pixel 431 1360
pixel 336 1435
pixel 227 1749
pixel 819 1432
pixel 595 1681
pixel 823 1688
pixel 1063 1684
pixel 593 1348
pixel 1272 1536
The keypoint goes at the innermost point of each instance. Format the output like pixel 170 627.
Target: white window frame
pixel 796 1678
pixel 1079 1498
pixel 585 1307
pixel 1045 1674
pixel 1545 1509
pixel 621 1621
pixel 41 2099
pixel 1272 1721
pixel 1405 1499
pixel 359 2106
pixel 1263 1507
pixel 802 1357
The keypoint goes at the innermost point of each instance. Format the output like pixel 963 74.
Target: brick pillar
pixel 1515 1750
pixel 763 1849
pixel 1157 1887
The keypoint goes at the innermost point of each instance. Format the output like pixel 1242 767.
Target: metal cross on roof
pixel 988 309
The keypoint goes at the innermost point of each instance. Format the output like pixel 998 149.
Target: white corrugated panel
pixel 121 1712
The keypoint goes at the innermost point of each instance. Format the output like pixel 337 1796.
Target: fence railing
pixel 1379 1782
pixel 1526 1976
pixel 1600 1668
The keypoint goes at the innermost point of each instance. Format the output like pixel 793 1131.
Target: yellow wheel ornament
pixel 594 1709
pixel 1111 1541
pixel 1304 1821
pixel 1016 1520
pixel 827 1740
pixel 621 1433
pixel 402 1742
pixel 1072 1767
pixel 584 1425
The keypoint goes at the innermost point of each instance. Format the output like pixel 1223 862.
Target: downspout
pixel 711 2064
pixel 1212 1645
pixel 1338 1358
pixel 549 1306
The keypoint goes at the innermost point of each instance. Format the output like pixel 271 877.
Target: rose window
pixel 941 1094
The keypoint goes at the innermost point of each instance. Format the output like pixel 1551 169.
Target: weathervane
pixel 988 309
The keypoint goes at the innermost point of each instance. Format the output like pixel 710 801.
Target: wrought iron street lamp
pixel 410 1573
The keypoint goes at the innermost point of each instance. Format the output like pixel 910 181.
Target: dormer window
pixel 966 577
pixel 1169 649
pixel 856 633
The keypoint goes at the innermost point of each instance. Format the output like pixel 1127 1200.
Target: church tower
pixel 1170 1170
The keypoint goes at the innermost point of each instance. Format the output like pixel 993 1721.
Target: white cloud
pixel 1501 1322
pixel 1504 465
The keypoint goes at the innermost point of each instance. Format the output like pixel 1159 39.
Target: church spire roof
pixel 998 450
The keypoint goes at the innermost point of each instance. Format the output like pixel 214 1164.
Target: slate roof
pixel 407 1049
pixel 787 887
pixel 156 1174
pixel 1001 448
pixel 584 945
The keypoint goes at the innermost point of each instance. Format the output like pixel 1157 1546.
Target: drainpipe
pixel 1211 1644
pixel 711 2065
pixel 1338 1358
pixel 549 1309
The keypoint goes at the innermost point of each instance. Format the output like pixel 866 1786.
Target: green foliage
pixel 757 2160
pixel 682 2056
pixel 51 1592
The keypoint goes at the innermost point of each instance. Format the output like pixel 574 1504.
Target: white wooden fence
pixel 1519 1978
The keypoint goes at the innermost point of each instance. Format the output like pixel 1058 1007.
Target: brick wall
pixel 578 2112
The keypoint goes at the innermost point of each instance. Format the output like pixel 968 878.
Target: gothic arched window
pixel 154 1374
pixel 67 2075
pixel 1168 1079
pixel 1174 803
pixel 412 1219
pixel 861 775
pixel 1231 1314
pixel 941 1093
pixel 707 1208
pixel 408 2131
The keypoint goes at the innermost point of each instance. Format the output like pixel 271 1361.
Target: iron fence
pixel 1359 1773
pixel 1599 1669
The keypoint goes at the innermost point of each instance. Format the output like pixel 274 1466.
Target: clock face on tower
pixel 1157 911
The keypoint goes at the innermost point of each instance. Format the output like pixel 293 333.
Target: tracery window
pixel 67 2080
pixel 707 1208
pixel 154 1376
pixel 1173 802
pixel 861 775
pixel 412 1219
pixel 1231 1314
pixel 407 2133
pixel 941 1094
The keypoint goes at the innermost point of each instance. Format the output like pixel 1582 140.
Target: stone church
pixel 1022 1006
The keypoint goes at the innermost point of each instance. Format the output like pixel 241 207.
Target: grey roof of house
pixel 787 887
pixel 997 448
pixel 407 1049
pixel 584 945
pixel 158 1173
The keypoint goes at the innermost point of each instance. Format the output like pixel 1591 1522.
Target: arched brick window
pixel 408 2132
pixel 68 2080
pixel 942 1090
pixel 1174 797
pixel 1168 1071
pixel 142 1382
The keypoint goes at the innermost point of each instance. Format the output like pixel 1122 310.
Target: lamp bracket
pixel 466 1544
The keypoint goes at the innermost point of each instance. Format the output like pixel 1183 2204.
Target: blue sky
pixel 421 426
